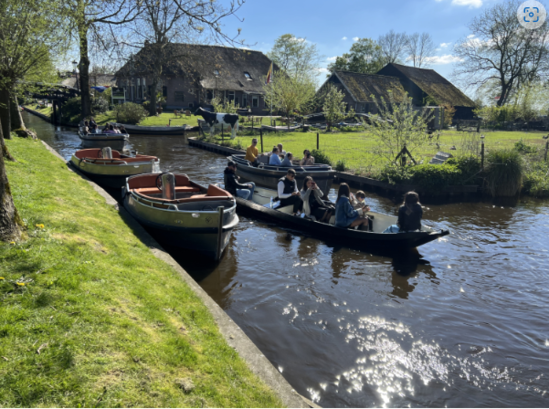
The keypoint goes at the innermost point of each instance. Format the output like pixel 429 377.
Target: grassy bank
pixel 160 120
pixel 88 317
pixel 44 110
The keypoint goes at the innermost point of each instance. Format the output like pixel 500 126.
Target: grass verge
pixel 89 317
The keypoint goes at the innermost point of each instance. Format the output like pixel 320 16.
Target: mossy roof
pixel 371 87
pixel 435 85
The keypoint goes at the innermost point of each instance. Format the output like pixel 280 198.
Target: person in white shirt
pixel 288 194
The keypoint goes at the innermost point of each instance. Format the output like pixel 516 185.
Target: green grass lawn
pixel 44 111
pixel 160 120
pixel 356 147
pixel 89 317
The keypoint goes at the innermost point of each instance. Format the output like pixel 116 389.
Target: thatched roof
pixel 202 63
pixel 371 87
pixel 99 79
pixel 433 84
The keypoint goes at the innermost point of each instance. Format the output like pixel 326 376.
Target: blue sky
pixel 333 25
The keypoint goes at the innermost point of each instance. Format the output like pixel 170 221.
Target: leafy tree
pixel 365 56
pixel 398 126
pixel 334 107
pixel 393 47
pixel 420 49
pixel 501 51
pixel 295 56
pixel 289 94
pixel 226 107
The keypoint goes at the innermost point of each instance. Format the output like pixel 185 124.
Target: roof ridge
pixel 414 68
pixel 220 46
pixel 362 73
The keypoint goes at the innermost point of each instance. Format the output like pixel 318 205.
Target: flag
pixel 269 78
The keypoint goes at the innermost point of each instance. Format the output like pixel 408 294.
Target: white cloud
pixel 331 58
pixel 344 38
pixel 443 59
pixel 356 38
pixel 470 3
pixel 322 69
pixel 471 36
pixel 444 45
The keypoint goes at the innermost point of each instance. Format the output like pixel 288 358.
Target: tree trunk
pixel 84 74
pixel 16 118
pixel 5 116
pixel 10 222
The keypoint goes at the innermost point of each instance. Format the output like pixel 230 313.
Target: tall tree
pixel 295 56
pixel 28 31
pixel 87 16
pixel 365 56
pixel 420 48
pixel 10 222
pixel 500 50
pixel 393 46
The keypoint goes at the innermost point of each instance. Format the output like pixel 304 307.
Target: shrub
pixel 70 110
pixel 146 105
pixel 341 165
pixel 504 172
pixel 100 105
pixel 524 148
pixel 130 113
pixel 536 182
pixel 321 157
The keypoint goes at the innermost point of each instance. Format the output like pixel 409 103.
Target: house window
pixel 209 95
pixel 139 88
pixel 244 100
pixel 248 76
pixel 132 92
pixel 179 96
pixel 255 101
pixel 165 91
pixel 230 96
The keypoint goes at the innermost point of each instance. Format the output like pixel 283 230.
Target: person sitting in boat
pixel 93 124
pixel 123 130
pixel 105 128
pixel 275 159
pixel 281 151
pixel 252 153
pixel 313 203
pixel 110 129
pixel 358 200
pixel 288 159
pixel 116 130
pixel 233 186
pixel 409 215
pixel 86 128
pixel 288 193
pixel 346 216
pixel 308 159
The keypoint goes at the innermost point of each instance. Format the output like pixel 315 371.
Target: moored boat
pixel 101 140
pixel 111 168
pixel 268 176
pixel 262 207
pixel 182 213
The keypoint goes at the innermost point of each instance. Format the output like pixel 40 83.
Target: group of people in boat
pixel 350 210
pixel 278 156
pixel 90 126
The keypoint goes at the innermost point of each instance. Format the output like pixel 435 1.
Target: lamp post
pixel 75 64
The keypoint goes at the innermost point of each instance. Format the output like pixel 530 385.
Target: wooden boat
pixel 101 140
pixel 261 208
pixel 156 130
pixel 268 176
pixel 181 212
pixel 112 169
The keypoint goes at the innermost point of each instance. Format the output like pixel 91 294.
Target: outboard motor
pixel 168 186
pixel 106 153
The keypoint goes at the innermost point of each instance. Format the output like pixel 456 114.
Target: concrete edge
pixel 231 332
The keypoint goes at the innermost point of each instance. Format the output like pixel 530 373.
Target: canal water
pixel 462 323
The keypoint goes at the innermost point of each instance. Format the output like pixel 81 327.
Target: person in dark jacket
pixel 409 215
pixel 234 187
pixel 345 215
pixel 288 194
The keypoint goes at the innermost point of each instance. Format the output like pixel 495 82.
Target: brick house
pixel 363 91
pixel 194 74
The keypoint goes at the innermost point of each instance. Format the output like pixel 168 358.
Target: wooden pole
pixel 317 141
pixel 222 135
pixel 546 149
pixel 482 155
pixel 261 137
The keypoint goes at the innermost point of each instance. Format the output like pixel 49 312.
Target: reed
pixel 504 172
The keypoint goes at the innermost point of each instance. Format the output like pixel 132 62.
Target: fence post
pixel 317 141
pixel 222 135
pixel 261 137
pixel 546 149
pixel 482 152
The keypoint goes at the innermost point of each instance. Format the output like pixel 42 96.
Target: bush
pixel 341 165
pixel 524 148
pixel 536 182
pixel 321 157
pixel 146 104
pixel 504 172
pixel 100 105
pixel 70 111
pixel 130 113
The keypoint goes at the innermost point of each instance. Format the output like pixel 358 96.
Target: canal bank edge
pixel 358 181
pixel 231 332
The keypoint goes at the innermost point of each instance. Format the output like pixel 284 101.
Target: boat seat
pixel 147 191
pixel 149 180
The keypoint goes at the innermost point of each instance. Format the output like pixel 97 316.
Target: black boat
pixel 262 207
pixel 268 175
